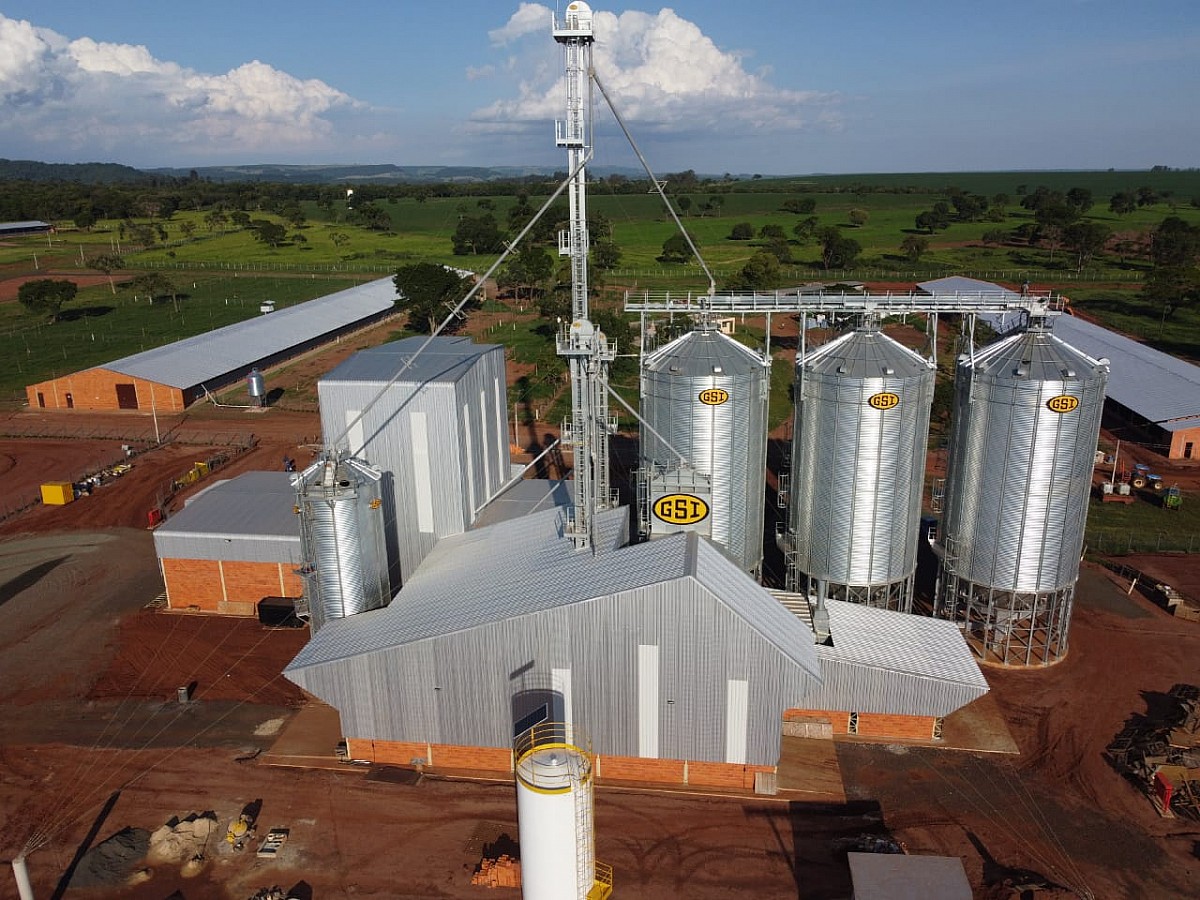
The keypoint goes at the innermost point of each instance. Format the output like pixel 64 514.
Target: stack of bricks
pixel 502 872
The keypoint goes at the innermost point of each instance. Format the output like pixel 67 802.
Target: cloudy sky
pixel 772 87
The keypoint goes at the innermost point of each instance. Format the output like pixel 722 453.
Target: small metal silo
pixel 858 465
pixel 341 529
pixel 1026 420
pixel 256 387
pixel 705 395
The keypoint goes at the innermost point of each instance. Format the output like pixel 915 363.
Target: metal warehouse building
pixel 1152 397
pixel 232 545
pixel 438 431
pixel 174 376
pixel 674 660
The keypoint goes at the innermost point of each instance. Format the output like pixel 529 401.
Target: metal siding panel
pixel 648 700
pixel 737 713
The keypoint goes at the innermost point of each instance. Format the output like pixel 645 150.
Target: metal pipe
pixel 21 873
pixel 520 475
pixel 633 412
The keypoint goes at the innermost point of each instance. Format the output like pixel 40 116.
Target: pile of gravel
pixel 112 861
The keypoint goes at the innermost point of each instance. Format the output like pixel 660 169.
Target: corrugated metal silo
pixel 706 396
pixel 341 529
pixel 1026 421
pixel 858 465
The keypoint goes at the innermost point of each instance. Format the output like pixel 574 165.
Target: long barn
pixel 174 376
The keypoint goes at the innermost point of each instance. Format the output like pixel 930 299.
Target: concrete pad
pixel 978 726
pixel 809 766
pixel 309 739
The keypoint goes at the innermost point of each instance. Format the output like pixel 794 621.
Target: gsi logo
pixel 1063 403
pixel 680 509
pixel 885 400
pixel 714 397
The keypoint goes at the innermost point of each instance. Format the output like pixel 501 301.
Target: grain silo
pixel 1026 420
pixel 341 529
pixel 858 463
pixel 704 397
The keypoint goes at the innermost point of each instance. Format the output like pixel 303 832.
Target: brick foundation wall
pixel 96 389
pixel 728 776
pixel 839 721
pixel 919 728
pixel 229 588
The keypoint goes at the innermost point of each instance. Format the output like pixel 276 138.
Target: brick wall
pixel 96 389
pixel 193 583
pixel 634 768
pixel 918 728
pixel 230 587
pixel 839 721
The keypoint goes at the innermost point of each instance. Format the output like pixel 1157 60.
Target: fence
pixel 1115 542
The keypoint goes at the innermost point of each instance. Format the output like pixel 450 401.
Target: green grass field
pixel 99 326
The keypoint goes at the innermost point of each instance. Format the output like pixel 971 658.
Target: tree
pixel 1085 239
pixel 530 267
pixel 805 229
pixel 760 273
pixel 772 232
pixel 428 292
pixel 675 249
pixel 85 218
pixel 1123 203
pixel 742 231
pixel 107 264
pixel 605 255
pixel 914 246
pixel 1174 287
pixel 858 217
pixel 477 234
pixel 994 236
pixel 802 206
pixel 45 296
pixel 270 233
pixel 187 229
pixel 1080 199
pixel 684 203
pixel 837 251
pixel 338 238
pixel 154 285
pixel 1175 243
pixel 716 202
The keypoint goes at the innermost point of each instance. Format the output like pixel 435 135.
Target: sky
pixel 767 87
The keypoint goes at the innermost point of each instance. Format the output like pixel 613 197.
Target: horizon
pixel 782 89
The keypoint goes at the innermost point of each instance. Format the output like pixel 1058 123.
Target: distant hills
pixel 107 173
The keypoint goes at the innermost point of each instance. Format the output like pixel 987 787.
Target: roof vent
pixel 888 370
pixel 1068 373
pixel 1022 369
pixel 674 370
pixel 717 370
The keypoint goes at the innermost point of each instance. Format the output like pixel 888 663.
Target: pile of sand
pixel 182 841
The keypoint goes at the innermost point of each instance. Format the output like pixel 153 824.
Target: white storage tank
pixel 556 818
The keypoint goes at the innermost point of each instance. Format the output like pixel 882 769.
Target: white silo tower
pixel 556 817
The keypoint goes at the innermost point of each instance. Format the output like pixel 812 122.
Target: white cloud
pixel 101 99
pixel 664 74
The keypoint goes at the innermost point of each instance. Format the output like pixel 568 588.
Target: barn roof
pixel 206 357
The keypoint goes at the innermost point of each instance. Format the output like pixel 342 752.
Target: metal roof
pixel 704 352
pixel 526 566
pixel 899 642
pixel 960 284
pixel 445 359
pixel 527 497
pixel 865 353
pixel 899 876
pixel 24 226
pixel 251 505
pixel 1155 385
pixel 207 357
pixel 1034 355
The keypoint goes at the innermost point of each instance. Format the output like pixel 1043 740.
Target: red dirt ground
pixel 10 286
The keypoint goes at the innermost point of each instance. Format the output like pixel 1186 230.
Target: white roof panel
pixel 209 356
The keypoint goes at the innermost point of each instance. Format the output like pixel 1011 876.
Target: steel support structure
pixel 585 348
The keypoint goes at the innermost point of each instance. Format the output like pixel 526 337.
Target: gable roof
pixel 206 357
pixel 525 566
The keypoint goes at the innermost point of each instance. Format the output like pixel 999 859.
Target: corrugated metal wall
pixel 445 445
pixel 458 689
pixel 260 548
